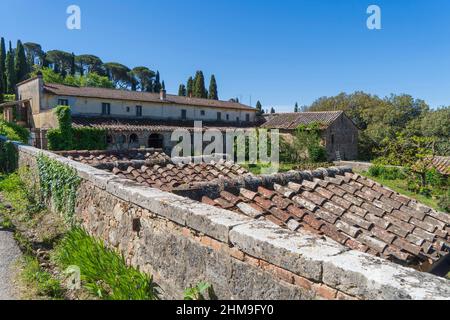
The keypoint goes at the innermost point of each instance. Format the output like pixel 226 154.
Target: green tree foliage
pixel 11 78
pixel 199 90
pixel 20 62
pixel 34 53
pixel 118 74
pixel 213 94
pixel 61 61
pixel 190 87
pixel 157 86
pixel 87 63
pixel 182 90
pixel 379 119
pixel 144 78
pixel 296 109
pixel 2 66
pixel 272 110
pixel 259 108
pixel 89 80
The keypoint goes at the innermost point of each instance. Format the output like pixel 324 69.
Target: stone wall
pixel 181 242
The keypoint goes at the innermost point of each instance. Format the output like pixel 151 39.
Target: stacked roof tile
pixel 442 164
pixel 352 210
pixel 170 176
pixel 102 157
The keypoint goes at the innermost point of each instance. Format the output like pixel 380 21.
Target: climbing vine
pixel 58 186
pixel 8 157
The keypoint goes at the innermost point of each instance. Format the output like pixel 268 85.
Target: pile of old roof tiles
pixel 171 176
pixel 441 164
pixel 353 211
pixel 94 158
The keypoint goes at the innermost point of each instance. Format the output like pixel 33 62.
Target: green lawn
pixel 401 187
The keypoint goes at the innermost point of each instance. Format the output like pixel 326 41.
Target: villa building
pixel 132 119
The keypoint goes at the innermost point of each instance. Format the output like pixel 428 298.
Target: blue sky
pixel 279 52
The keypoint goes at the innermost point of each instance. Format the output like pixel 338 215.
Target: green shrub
pixel 14 132
pixel 8 157
pixel 198 292
pixel 385 172
pixel 444 201
pixel 68 138
pixel 103 271
pixel 435 178
pixel 45 284
pixel 317 153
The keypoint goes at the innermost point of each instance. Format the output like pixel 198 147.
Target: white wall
pixel 166 111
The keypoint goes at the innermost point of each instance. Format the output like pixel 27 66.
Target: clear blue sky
pixel 278 52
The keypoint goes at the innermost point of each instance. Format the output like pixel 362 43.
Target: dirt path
pixel 9 254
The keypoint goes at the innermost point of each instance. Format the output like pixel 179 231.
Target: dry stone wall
pixel 181 242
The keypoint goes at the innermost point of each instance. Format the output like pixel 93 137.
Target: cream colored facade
pixel 43 104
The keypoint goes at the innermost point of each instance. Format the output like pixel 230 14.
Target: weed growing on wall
pixel 58 186
pixel 103 271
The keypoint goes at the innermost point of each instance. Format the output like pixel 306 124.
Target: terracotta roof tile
pixel 291 121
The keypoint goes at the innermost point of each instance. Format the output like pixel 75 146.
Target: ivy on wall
pixel 8 157
pixel 68 138
pixel 58 186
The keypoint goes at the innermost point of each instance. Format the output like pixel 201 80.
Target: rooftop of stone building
pixel 335 203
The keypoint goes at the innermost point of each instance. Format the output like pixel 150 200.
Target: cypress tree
pixel 157 86
pixel 182 90
pixel 2 66
pixel 190 87
pixel 213 95
pixel 163 85
pixel 259 109
pixel 10 73
pixel 199 86
pixel 72 65
pixel 296 107
pixel 20 62
pixel 272 110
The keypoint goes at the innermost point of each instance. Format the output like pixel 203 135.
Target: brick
pixel 302 282
pixel 283 274
pixel 324 291
pixel 251 260
pixel 237 254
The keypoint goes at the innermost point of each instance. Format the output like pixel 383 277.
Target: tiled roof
pixel 353 211
pixel 102 157
pixel 442 164
pixel 148 125
pixel 290 121
pixel 170 176
pixel 114 94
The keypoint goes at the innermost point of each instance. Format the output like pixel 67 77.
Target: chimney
pixel 162 94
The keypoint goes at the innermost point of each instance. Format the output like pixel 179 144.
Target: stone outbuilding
pixel 339 133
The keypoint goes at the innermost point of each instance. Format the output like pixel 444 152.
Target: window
pixel 228 117
pixel 332 139
pixel 202 113
pixel 219 116
pixel 138 111
pixel 237 119
pixel 63 102
pixel 128 109
pixel 106 109
pixel 247 118
pixel 183 114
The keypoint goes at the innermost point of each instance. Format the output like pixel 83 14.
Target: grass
pixel 103 271
pixel 401 186
pixel 256 169
pixel 40 281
